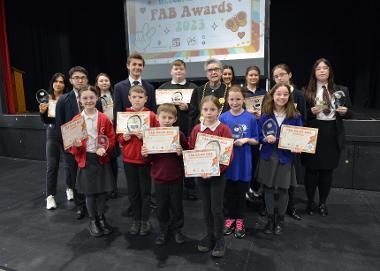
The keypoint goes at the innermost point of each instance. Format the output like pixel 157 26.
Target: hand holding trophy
pixel 102 144
pixel 269 130
pixel 339 100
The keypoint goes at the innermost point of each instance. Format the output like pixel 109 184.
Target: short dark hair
pixel 135 56
pixel 77 69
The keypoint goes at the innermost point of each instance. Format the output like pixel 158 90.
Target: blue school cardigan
pixel 285 156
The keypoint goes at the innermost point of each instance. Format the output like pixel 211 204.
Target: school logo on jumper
pixel 238 131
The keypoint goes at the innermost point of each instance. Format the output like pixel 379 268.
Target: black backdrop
pixel 49 36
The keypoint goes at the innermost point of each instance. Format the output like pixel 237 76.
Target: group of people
pixel 216 108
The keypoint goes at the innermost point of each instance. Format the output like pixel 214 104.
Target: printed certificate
pixel 108 108
pixel 161 139
pixel 72 130
pixel 296 137
pixel 132 122
pixel 51 108
pixel 254 103
pixel 198 162
pixel 173 96
pixel 222 145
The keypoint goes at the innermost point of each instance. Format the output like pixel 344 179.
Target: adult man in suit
pixel 67 107
pixel 135 66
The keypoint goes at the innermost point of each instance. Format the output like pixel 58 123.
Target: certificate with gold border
pixel 73 130
pixel 201 162
pixel 132 122
pixel 296 137
pixel 173 96
pixel 222 145
pixel 161 139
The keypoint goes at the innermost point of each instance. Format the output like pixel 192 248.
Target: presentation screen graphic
pixel 195 30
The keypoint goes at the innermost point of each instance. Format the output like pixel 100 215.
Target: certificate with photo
pixel 201 162
pixel 298 138
pixel 73 130
pixel 161 139
pixel 51 108
pixel 254 103
pixel 173 96
pixel 222 145
pixel 132 122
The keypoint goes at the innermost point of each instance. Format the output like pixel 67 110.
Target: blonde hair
pixel 168 108
pixel 212 99
pixel 137 89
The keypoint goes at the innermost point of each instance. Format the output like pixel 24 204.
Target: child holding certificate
pixel 136 169
pixel 167 174
pixel 94 178
pixel 212 188
pixel 243 126
pixel 276 170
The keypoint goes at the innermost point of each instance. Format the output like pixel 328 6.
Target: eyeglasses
pixel 213 70
pixel 77 78
pixel 277 76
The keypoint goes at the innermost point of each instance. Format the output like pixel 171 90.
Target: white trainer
pixel 50 202
pixel 70 194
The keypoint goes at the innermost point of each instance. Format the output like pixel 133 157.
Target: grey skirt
pixel 95 177
pixel 274 174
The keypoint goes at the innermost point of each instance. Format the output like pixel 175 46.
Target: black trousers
pixel 139 189
pixel 212 193
pixel 53 154
pixel 235 202
pixel 115 170
pixel 170 209
pixel 70 174
pixel 321 178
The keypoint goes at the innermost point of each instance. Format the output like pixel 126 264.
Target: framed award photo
pixel 161 139
pixel 73 130
pixel 222 145
pixel 201 162
pixel 254 103
pixel 132 122
pixel 173 96
pixel 298 138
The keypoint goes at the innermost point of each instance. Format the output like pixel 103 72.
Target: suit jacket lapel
pixel 73 102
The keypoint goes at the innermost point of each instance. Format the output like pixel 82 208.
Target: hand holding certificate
pixel 222 145
pixel 173 96
pixel 298 139
pixel 161 139
pixel 72 131
pixel 201 163
pixel 132 122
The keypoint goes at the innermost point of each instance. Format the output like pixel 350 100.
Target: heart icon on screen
pixel 142 10
pixel 241 34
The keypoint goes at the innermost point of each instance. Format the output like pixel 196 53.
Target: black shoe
pixel 292 212
pixel 94 228
pixel 81 212
pixel 269 226
pixel 279 226
pixel 310 208
pixel 206 244
pixel 322 209
pixel 135 227
pixel 219 249
pixel 104 225
pixel 161 238
pixel 179 238
pixel 145 228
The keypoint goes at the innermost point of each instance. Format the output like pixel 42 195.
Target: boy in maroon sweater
pixel 167 174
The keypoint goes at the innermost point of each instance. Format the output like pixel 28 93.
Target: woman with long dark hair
pixel 326 113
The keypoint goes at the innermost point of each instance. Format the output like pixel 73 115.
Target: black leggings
pixel 276 199
pixel 95 204
pixel 318 178
pixel 235 198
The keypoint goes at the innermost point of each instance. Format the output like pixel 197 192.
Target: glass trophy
pixel 42 96
pixel 339 98
pixel 214 145
pixel 134 124
pixel 177 97
pixel 102 142
pixel 269 128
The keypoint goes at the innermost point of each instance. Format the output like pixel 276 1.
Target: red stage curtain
pixel 5 62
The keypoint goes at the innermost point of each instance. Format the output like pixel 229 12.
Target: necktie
pixel 135 83
pixel 326 99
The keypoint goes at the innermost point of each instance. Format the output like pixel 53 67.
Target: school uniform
pixel 331 141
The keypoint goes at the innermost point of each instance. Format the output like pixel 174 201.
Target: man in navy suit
pixel 67 107
pixel 135 66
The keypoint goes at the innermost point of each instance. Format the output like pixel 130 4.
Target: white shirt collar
pixel 320 85
pixel 131 80
pixel 291 88
pixel 212 127
pixel 87 117
pixel 182 83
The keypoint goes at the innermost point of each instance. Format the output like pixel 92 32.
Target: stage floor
pixel 32 238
